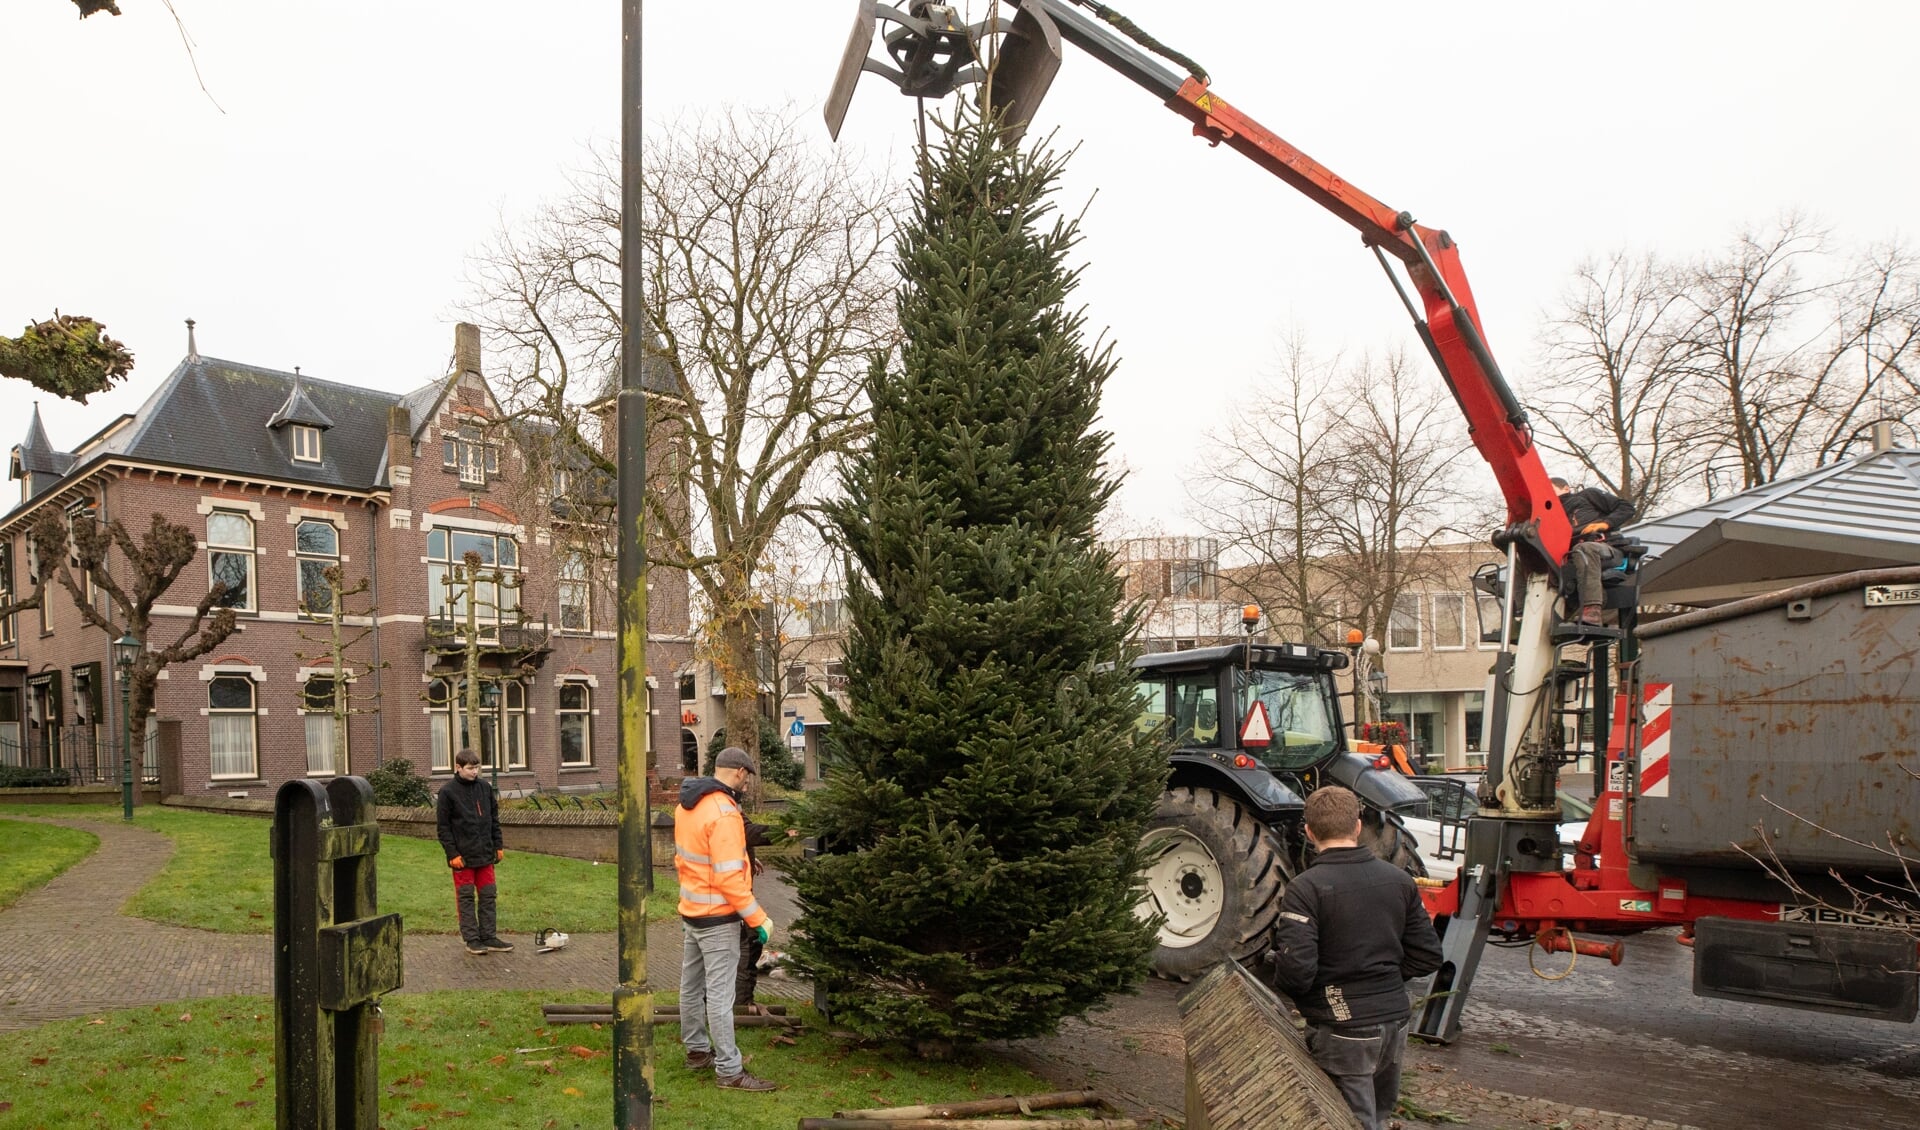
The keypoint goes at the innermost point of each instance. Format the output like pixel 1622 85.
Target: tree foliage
pixel 989 783
pixel 68 355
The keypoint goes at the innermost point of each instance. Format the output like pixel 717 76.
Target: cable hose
pixel 1573 957
pixel 1133 31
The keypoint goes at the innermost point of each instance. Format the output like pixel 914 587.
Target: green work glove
pixel 763 933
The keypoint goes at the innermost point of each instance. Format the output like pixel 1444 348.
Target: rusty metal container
pixel 1787 725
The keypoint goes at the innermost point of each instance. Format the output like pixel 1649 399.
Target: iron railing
pixel 84 755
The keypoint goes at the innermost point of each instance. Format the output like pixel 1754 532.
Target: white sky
pixel 325 219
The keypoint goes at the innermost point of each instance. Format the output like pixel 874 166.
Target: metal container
pixel 1785 726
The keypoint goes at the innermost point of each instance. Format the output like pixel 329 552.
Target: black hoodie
pixel 468 814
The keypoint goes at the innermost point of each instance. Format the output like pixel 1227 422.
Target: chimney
pixel 1882 435
pixel 466 347
pixel 193 350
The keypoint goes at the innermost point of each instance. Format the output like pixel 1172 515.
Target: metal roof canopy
pixel 1862 513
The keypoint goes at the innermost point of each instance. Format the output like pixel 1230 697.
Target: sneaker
pixel 496 945
pixel 699 1061
pixel 744 1082
pixel 476 949
pixel 1591 615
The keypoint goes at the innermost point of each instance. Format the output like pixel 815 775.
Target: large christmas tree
pixel 988 784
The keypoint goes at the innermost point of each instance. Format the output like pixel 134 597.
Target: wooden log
pixel 1006 1104
pixel 979 1124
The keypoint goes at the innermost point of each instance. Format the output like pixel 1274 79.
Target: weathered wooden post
pixel 332 957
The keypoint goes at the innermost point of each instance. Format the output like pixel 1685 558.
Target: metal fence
pixel 83 753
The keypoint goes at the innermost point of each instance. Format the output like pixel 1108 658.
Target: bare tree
pixel 1612 380
pixel 1334 489
pixel 147 569
pixel 327 604
pixel 768 295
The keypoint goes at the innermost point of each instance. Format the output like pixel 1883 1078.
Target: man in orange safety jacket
pixel 716 896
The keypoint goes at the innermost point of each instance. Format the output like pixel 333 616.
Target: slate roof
pixel 299 409
pixel 1860 513
pixel 213 415
pixel 37 455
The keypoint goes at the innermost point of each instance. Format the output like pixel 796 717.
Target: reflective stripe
pixel 728 806
pixel 753 908
pixel 729 865
pixel 695 856
pixel 701 897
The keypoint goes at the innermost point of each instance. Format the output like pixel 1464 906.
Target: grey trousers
pixel 709 962
pixel 1589 559
pixel 1365 1064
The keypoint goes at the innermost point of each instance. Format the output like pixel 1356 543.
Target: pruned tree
pixel 74 550
pixel 477 589
pixel 764 262
pixel 326 603
pixel 68 355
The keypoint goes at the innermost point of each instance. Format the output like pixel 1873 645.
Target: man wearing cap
pixel 716 896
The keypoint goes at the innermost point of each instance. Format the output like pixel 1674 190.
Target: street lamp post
pixel 126 650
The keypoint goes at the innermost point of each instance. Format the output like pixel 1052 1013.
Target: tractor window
pixel 1196 710
pixel 1152 697
pixel 1299 712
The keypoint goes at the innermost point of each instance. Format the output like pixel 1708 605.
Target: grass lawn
pixel 221 878
pixel 35 853
pixel 470 1059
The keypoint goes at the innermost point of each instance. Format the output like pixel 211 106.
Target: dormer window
pixel 306 444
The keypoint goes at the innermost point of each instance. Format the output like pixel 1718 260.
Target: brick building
pixel 281 476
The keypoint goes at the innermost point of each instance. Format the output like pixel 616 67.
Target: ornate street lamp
pixel 126 650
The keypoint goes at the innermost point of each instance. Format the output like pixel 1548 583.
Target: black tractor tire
pixel 1391 842
pixel 1219 876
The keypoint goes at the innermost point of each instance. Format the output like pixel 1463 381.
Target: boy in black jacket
pixel 1352 932
pixel 468 815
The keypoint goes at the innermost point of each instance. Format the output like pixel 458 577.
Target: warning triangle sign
pixel 1256 730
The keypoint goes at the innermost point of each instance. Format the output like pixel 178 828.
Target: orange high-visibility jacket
pixel 710 857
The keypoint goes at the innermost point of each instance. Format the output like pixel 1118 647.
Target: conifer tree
pixel 988 783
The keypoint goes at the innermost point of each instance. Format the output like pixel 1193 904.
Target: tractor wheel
pixel 1216 874
pixel 1390 842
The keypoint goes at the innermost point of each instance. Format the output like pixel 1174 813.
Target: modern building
pixel 280 476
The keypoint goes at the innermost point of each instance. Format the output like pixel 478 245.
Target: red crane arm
pixel 1496 423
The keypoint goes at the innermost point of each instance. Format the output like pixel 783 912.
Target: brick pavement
pixel 67 951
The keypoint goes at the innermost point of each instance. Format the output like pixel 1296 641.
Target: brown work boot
pixel 744 1081
pixel 699 1061
pixel 1591 615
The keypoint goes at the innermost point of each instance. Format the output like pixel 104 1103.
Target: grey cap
pixel 733 757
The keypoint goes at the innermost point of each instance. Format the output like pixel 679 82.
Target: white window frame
pixel 574 590
pixel 507 722
pixel 216 714
pixel 491 613
pixel 303 557
pixel 324 732
pixel 790 690
pixel 581 716
pixel 246 553
pixel 1394 615
pixel 1459 601
pixel 7 635
pixel 306 443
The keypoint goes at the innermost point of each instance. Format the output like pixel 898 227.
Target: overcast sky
pixel 326 217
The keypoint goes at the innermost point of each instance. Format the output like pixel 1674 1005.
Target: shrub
pixel 397 785
pixel 777 763
pixel 32 777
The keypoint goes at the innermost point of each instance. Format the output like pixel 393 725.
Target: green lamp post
pixel 126 650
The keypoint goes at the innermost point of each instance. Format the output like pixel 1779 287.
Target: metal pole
pixel 126 745
pixel 633 1000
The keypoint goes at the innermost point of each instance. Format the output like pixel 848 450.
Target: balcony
pixel 526 642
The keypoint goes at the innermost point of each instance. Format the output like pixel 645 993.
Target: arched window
pixel 232 735
pixel 230 558
pixel 493 602
pixel 503 719
pixel 317 545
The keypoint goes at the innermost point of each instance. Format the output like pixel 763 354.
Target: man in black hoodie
pixel 1596 517
pixel 1352 932
pixel 468 815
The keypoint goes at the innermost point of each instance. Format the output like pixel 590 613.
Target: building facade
pixel 281 477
